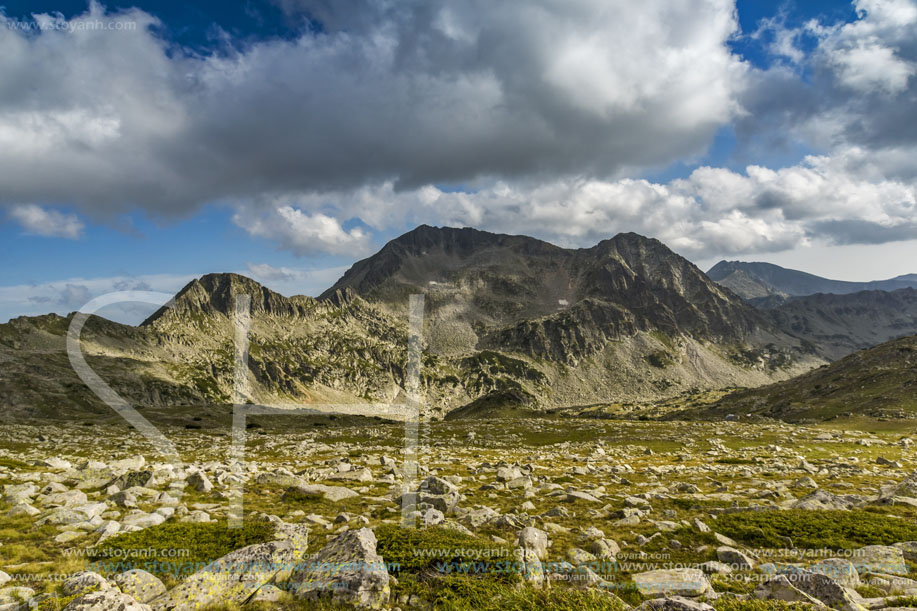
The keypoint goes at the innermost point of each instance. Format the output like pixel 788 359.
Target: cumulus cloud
pixel 413 92
pixel 542 112
pixel 50 223
pixel 712 212
pixel 302 233
pixel 266 271
pixel 859 88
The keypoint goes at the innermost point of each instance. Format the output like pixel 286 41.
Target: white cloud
pixel 75 296
pixel 50 223
pixel 712 212
pixel 411 92
pixel 302 233
pixel 266 271
pixel 70 294
pixel 869 65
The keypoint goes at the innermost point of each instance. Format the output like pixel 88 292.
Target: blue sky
pixel 287 139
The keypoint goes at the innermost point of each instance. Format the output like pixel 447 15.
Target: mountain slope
pixel 519 293
pixel 838 325
pixel 757 280
pixel 506 317
pixel 877 382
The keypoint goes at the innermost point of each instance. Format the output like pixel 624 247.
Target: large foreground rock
pixel 329 493
pixel 823 500
pixel 780 588
pixel 840 570
pixel 105 600
pixel 678 582
pixel 348 570
pixel 234 578
pixel 674 603
pixel 140 584
pixel 824 589
pixel 880 559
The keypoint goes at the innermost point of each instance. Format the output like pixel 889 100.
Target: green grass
pixel 12 463
pixel 834 530
pixel 734 586
pixel 175 549
pixel 903 601
pixel 868 591
pixel 464 593
pixel 415 549
pixel 732 604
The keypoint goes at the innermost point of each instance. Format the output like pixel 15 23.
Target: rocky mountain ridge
pixel 505 316
pixel 761 280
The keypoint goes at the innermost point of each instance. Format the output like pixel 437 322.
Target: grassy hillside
pixel 877 382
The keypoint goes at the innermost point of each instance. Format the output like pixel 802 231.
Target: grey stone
pixel 678 582
pixel 346 571
pixel 674 603
pixel 139 584
pixel 234 577
pixel 839 569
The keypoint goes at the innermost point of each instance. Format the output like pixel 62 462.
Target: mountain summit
pixel 508 319
pixel 494 288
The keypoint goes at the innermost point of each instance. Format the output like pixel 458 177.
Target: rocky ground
pixel 509 514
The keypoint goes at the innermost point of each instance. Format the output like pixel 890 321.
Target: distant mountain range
pixel 837 317
pixel 761 280
pixel 506 317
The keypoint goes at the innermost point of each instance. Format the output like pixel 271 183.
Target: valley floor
pixel 564 513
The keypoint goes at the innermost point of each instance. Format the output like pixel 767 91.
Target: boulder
pixel 234 578
pixel 821 499
pixel 82 582
pixel 880 559
pixel 674 603
pixel 733 557
pixel 909 549
pixel 139 584
pixel 329 493
pixel 678 582
pixel 105 600
pixel 605 549
pixel 131 479
pixel 200 482
pixel 475 518
pixel 433 492
pixel 531 538
pixel 838 569
pixel 346 571
pixel 780 588
pixel 15 594
pixel 508 473
pixel 824 589
pixel 19 493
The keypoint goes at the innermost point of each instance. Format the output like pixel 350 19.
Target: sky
pixel 143 144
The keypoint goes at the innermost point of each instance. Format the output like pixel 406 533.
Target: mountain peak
pixel 215 294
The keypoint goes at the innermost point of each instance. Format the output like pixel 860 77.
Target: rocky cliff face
pixel 506 316
pixel 519 293
pixel 837 325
